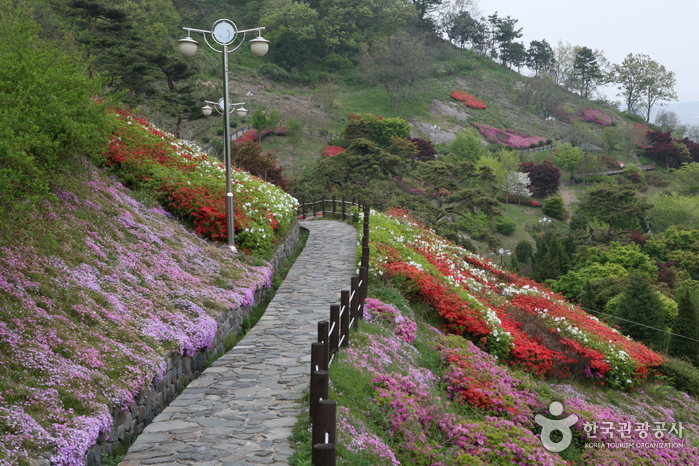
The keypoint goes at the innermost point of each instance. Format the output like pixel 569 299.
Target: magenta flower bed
pixel 82 332
pixel 508 137
pixel 594 115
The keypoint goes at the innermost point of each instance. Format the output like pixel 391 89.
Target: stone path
pixel 240 411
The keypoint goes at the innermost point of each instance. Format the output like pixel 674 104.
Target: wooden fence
pixel 334 206
pixel 334 334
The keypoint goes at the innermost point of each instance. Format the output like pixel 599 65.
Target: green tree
pixel 539 56
pixel 48 117
pixel 658 87
pixel 642 312
pixel 397 63
pixel 642 83
pixel 354 171
pixel 554 207
pixel 524 252
pixel 293 29
pixel 615 206
pixel 586 70
pixel 567 157
pixel 684 344
pixel 293 132
pixel 551 259
pixel 466 147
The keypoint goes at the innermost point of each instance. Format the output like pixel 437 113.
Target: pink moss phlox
pixel 388 314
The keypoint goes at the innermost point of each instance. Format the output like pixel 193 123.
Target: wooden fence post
pixel 334 336
pixel 319 391
pixel 322 206
pixel 344 209
pixel 323 329
pixel 319 360
pixel 354 302
pixel 323 455
pixel 324 424
pixel 303 210
pixel 345 314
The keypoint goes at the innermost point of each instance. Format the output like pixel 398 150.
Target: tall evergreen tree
pixel 685 325
pixel 551 259
pixel 640 304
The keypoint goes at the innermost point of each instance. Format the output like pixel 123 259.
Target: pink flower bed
pixel 508 137
pixel 594 115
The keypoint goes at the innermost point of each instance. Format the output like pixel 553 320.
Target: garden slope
pixel 95 287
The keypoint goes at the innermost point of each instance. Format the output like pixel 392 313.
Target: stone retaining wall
pixel 181 370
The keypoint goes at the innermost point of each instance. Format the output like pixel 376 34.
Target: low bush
pixel 681 375
pixel 506 227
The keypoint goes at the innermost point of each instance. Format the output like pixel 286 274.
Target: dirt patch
pixel 569 196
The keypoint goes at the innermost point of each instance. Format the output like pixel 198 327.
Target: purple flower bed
pixel 84 330
pixel 419 425
pixel 594 115
pixel 508 137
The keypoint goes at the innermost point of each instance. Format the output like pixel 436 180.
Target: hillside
pixel 459 359
pixel 99 282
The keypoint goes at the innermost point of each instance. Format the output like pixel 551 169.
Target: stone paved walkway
pixel 240 411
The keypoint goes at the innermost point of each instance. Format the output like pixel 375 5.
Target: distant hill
pixel 687 112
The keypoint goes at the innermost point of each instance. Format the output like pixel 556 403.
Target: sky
pixel 666 31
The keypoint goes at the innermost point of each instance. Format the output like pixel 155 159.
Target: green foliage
pixel 567 157
pixel 380 131
pixel 616 206
pixel 524 252
pixel 681 374
pixel 554 207
pixel 466 147
pixel 674 209
pixel 684 344
pixel 506 227
pixel 641 305
pixel 551 259
pixel 49 117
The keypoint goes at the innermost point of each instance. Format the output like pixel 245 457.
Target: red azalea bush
pixel 468 99
pixel 329 151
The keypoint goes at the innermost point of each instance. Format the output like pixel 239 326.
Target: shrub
pixel 506 227
pixel 555 208
pixel 683 376
pixel 273 72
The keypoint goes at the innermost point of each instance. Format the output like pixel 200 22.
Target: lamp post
pixel 502 252
pixel 545 222
pixel 225 33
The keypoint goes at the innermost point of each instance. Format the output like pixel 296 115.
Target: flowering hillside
pixel 509 353
pixel 515 319
pixel 95 286
pixel 509 137
pixel 423 397
pixel 192 185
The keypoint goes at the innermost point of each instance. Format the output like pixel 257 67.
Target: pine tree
pixel 686 325
pixel 551 259
pixel 640 304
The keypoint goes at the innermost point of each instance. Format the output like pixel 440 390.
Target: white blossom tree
pixel 517 184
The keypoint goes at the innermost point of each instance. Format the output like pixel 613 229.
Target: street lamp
pixel 236 108
pixel 225 33
pixel 502 252
pixel 545 222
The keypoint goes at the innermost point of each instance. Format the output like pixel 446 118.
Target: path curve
pixel 240 411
